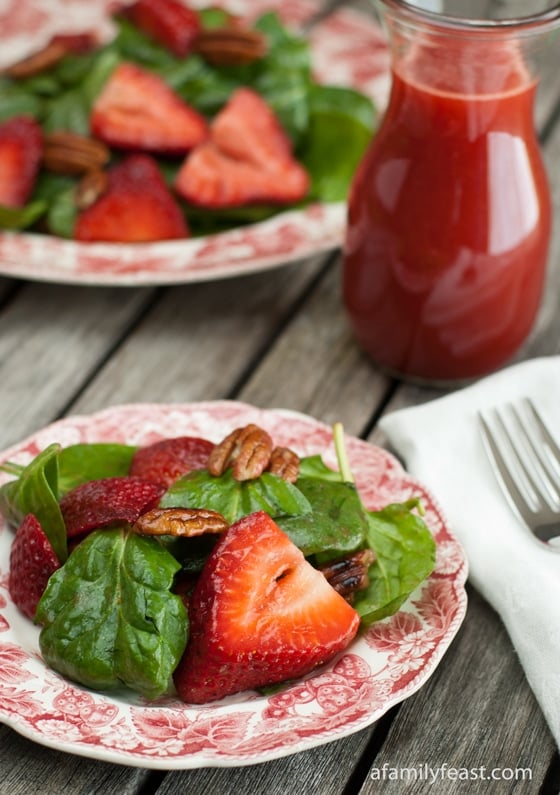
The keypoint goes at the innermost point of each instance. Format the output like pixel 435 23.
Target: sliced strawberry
pixel 248 159
pixel 169 22
pixel 106 502
pixel 166 461
pixel 21 144
pixel 32 561
pixel 260 614
pixel 137 110
pixel 248 129
pixel 136 207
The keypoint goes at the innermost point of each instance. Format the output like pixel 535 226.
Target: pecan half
pixel 284 463
pixel 37 62
pixel 247 450
pixel 180 522
pixel 230 46
pixel 91 186
pixel 349 574
pixel 70 153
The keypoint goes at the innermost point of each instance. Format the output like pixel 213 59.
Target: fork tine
pixel 510 486
pixel 533 437
pixel 548 439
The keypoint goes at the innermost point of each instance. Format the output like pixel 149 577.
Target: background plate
pixel 347 49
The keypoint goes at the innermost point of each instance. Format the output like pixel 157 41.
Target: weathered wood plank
pixel 475 712
pixel 316 367
pixel 51 339
pixel 199 341
pixel 30 768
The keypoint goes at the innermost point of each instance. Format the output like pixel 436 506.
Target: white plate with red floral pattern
pixel 383 666
pixel 348 48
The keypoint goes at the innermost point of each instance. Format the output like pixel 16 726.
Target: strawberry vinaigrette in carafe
pixel 449 214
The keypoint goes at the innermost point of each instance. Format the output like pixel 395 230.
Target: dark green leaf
pixel 62 213
pixel 17 101
pixel 109 617
pixel 213 17
pixel 337 523
pixel 340 129
pixel 133 45
pixel 79 463
pixel 36 492
pixel 313 467
pixel 405 550
pixel 234 499
pixel 68 111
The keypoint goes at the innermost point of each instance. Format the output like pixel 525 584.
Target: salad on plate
pixel 99 620
pixel 188 122
pixel 222 567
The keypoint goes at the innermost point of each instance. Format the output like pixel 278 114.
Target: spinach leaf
pixel 70 108
pixel 405 550
pixel 341 125
pixel 79 463
pixel 337 523
pixel 313 467
pixel 109 617
pixel 36 492
pixel 234 499
pixel 17 101
pixel 62 213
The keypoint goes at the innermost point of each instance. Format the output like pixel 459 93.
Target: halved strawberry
pixel 21 144
pixel 248 129
pixel 165 461
pixel 248 159
pixel 260 614
pixel 169 22
pixel 32 561
pixel 106 502
pixel 136 109
pixel 136 207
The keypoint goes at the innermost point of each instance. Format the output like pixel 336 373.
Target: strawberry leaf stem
pixel 341 454
pixel 11 468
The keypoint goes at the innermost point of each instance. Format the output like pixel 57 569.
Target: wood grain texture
pixel 31 769
pixel 476 711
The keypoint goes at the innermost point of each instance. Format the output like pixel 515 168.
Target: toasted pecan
pixel 187 522
pixel 69 153
pixel 349 574
pixel 284 463
pixel 247 450
pixel 90 188
pixel 38 62
pixel 230 46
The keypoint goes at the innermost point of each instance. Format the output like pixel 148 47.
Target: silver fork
pixel 526 459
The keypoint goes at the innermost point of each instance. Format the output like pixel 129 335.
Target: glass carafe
pixel 449 215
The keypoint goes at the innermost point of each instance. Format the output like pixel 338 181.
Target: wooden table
pixel 272 339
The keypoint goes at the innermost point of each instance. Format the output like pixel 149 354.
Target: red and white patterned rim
pixel 347 49
pixel 381 668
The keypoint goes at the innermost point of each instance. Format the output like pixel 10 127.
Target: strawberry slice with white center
pixel 260 614
pixel 248 159
pixel 137 110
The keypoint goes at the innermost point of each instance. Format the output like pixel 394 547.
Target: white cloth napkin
pixel 441 445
